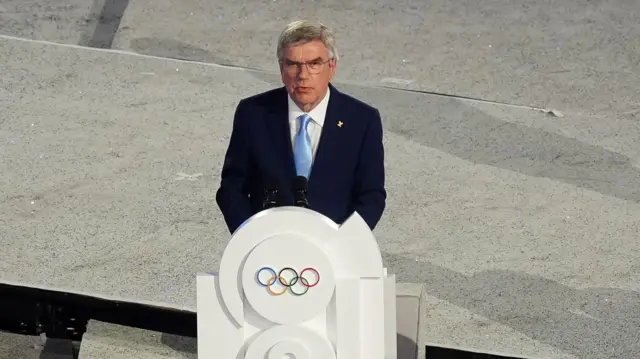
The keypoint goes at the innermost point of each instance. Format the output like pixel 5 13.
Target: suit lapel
pixel 327 149
pixel 280 137
pixel 280 134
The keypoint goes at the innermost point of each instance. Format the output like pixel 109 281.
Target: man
pixel 306 128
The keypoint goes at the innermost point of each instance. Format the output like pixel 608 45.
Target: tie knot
pixel 304 121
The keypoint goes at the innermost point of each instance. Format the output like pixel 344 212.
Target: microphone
pixel 300 185
pixel 270 194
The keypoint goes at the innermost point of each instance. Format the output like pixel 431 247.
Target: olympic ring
pixel 270 283
pixel 287 284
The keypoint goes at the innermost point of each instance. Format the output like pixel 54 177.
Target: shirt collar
pixel 318 114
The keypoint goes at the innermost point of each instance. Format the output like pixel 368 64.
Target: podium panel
pixel 292 283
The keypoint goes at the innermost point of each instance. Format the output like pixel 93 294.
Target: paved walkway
pixel 522 224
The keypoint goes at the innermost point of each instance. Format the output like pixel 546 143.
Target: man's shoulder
pixel 265 98
pixel 359 105
pixel 351 104
pixel 358 108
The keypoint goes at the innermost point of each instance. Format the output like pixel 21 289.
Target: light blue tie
pixel 302 148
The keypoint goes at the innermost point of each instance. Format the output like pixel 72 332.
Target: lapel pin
pixel 339 123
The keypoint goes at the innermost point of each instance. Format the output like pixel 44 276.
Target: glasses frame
pixel 295 67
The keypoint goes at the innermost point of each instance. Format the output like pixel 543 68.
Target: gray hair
pixel 301 32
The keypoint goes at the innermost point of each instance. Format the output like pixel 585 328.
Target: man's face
pixel 306 71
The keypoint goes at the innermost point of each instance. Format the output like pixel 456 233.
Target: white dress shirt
pixel 315 125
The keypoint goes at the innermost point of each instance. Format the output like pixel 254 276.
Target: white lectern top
pixel 292 282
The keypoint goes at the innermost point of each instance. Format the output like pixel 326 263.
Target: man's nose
pixel 303 71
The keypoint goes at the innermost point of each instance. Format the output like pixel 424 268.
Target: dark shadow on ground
pixel 455 127
pixel 589 323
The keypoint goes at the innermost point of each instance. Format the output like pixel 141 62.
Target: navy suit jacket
pixel 347 174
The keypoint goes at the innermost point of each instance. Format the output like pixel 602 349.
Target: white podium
pixel 292 284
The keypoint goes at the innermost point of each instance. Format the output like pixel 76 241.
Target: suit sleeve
pixel 369 190
pixel 232 197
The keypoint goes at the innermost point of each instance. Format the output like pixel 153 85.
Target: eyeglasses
pixel 293 67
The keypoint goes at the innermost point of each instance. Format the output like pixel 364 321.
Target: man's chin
pixel 303 92
pixel 303 96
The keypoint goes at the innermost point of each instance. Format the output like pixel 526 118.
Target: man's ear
pixel 333 66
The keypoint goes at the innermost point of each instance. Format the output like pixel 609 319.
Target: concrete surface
pixel 34 347
pixel 109 341
pixel 522 225
pixel 570 55
pixel 533 231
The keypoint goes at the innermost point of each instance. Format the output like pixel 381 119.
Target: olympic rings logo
pixel 288 284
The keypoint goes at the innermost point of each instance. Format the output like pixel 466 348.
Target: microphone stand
pixel 300 186
pixel 270 197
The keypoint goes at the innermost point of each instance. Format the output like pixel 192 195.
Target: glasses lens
pixel 314 66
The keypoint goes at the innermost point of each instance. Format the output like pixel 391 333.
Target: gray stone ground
pixel 15 346
pixel 523 225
